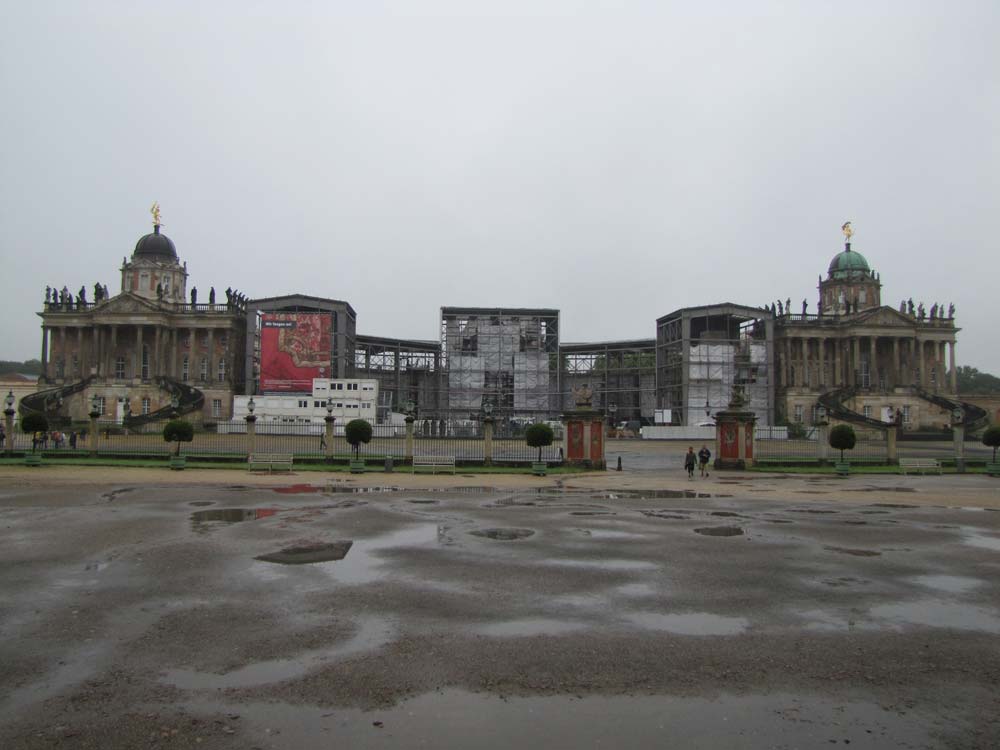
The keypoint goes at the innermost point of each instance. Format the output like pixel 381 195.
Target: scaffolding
pixel 406 370
pixel 704 354
pixel 620 373
pixel 502 356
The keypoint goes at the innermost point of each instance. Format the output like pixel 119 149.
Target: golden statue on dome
pixel 846 229
pixel 155 210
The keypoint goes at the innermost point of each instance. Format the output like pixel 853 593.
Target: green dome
pixel 848 264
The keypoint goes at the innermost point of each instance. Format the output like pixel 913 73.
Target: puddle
pixel 338 489
pixel 726 514
pixel 896 505
pixel 689 623
pixel 611 534
pixel 232 515
pixel 822 620
pixel 298 489
pixel 778 520
pixel 449 717
pixel 529 627
pixel 656 494
pixel 939 613
pixel 873 512
pixel 983 542
pixel 308 553
pixel 503 535
pixel 424 502
pixel 592 513
pixel 844 581
pixel 719 531
pixel 373 633
pixel 855 552
pixel 365 564
pixel 201 503
pixel 636 589
pixel 818 511
pixel 661 514
pixel 950 584
pixel 605 564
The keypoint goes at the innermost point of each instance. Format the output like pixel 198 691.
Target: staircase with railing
pixel 189 399
pixel 833 402
pixel 973 417
pixel 48 402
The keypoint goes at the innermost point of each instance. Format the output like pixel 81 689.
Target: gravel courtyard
pixel 594 610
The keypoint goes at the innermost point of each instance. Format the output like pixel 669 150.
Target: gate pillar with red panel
pixel 584 431
pixel 734 435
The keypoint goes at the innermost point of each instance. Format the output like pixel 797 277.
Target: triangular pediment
pixel 126 303
pixel 885 316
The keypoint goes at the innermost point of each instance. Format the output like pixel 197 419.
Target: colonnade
pixel 875 361
pixel 149 351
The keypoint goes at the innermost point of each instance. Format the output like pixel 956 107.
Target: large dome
pixel 849 264
pixel 155 246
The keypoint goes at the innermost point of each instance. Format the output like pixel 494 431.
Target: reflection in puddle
pixel 854 552
pixel 372 634
pixel 951 584
pixel 304 554
pixel 605 564
pixel 612 534
pixel 690 623
pixel 636 589
pixel 529 627
pixel 231 515
pixel 719 531
pixel 982 541
pixel 939 613
pixel 298 489
pixel 364 564
pixel 503 535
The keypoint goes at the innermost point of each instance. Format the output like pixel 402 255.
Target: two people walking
pixel 701 458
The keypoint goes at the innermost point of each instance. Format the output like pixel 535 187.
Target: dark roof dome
pixel 155 246
pixel 849 264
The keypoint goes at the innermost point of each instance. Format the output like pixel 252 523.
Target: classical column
pixel 821 345
pixel 872 362
pixel 62 350
pixel 173 354
pixel 45 353
pixel 154 360
pixel 138 345
pixel 896 378
pixel 784 363
pixel 954 370
pixel 210 375
pixel 79 353
pixel 112 348
pixel 942 367
pixel 855 360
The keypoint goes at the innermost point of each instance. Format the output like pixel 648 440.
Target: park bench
pixel 270 461
pixel 434 463
pixel 919 464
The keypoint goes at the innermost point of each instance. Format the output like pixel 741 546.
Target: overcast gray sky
pixel 615 160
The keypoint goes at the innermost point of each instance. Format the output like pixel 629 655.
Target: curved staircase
pixel 189 399
pixel 973 417
pixel 48 402
pixel 833 402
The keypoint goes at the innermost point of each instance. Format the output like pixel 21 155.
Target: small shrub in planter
pixel 178 431
pixel 842 438
pixel 356 432
pixel 539 435
pixel 991 439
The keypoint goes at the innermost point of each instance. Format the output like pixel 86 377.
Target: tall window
pixel 798 413
pixel 216 407
pixel 144 370
pixel 60 367
pixel 203 370
pixel 906 413
pixel 185 368
pixel 867 411
pixel 119 368
pixel 145 406
pixel 101 403
pixel 222 371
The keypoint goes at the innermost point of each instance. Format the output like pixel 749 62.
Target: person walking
pixel 703 455
pixel 689 459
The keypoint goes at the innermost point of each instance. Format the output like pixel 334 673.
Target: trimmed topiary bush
pixel 991 439
pixel 356 432
pixel 178 431
pixel 539 436
pixel 32 423
pixel 842 438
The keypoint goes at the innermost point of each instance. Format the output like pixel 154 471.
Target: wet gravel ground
pixel 140 617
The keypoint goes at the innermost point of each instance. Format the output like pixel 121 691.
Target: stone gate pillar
pixel 487 441
pixel 251 434
pixel 583 428
pixel 328 440
pixel 408 445
pixel 734 434
pixel 8 424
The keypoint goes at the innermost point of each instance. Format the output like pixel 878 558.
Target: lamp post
pixel 126 413
pixel 329 419
pixel 612 411
pixel 8 419
pixel 95 412
pixel 487 432
pixel 251 421
pixel 958 434
pixel 410 410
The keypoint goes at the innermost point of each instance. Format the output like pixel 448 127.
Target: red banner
pixel 294 349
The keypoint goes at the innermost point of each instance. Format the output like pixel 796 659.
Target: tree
pixel 356 432
pixel 842 438
pixel 33 423
pixel 179 431
pixel 539 435
pixel 971 380
pixel 991 439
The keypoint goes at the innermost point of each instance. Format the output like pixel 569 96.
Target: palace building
pixel 149 350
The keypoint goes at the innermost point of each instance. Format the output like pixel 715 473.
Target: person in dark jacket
pixel 689 459
pixel 703 455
